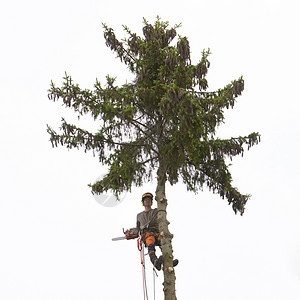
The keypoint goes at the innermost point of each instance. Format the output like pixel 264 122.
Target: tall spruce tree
pixel 164 121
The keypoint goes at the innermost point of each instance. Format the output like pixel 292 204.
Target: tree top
pixel 165 116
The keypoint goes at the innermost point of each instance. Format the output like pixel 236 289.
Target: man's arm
pixel 138 224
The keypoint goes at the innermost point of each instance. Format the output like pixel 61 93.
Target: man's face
pixel 147 201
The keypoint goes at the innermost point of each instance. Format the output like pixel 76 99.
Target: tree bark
pixel 165 235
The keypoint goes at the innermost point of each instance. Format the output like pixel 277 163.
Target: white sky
pixel 55 239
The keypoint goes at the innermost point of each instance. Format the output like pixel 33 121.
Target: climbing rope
pixel 142 253
pixel 154 274
pixel 141 248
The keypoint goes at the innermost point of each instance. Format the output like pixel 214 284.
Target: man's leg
pixel 157 262
pixel 150 242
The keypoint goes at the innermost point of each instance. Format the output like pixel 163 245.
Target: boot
pixel 157 262
pixel 175 262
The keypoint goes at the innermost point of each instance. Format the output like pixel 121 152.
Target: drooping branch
pixel 106 103
pixel 223 98
pixel 128 165
pixel 215 175
pixel 75 137
pixel 231 147
pixel 208 166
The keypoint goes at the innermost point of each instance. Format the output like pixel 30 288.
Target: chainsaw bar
pixel 119 238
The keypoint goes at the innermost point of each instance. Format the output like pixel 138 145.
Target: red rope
pixel 140 246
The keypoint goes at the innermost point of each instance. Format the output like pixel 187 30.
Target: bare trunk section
pixel 166 236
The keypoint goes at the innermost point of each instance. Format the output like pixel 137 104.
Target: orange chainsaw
pixel 129 234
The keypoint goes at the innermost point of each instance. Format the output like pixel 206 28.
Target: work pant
pixel 151 240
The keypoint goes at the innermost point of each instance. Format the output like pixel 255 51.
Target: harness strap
pixel 145 226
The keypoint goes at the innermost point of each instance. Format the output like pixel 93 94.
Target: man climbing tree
pixel 165 121
pixel 148 227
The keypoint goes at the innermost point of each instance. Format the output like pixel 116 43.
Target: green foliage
pixel 166 114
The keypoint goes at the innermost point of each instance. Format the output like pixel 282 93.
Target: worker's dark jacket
pixel 147 221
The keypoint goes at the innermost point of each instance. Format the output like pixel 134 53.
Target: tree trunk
pixel 165 235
